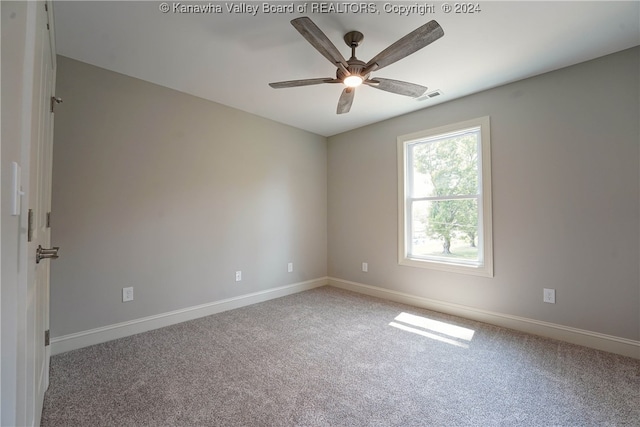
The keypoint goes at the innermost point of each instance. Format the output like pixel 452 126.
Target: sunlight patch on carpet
pixel 444 332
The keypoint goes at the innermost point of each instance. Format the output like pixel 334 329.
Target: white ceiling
pixel 231 57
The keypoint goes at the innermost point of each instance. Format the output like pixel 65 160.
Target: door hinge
pixel 46 337
pixel 30 225
pixel 54 101
pixel 48 219
pixel 46 9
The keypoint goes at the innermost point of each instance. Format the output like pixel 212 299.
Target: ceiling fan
pixel 353 73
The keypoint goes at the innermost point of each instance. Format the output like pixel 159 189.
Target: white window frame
pixel 485 221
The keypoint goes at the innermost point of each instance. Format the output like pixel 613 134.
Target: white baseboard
pixel 612 344
pixel 623 346
pixel 77 340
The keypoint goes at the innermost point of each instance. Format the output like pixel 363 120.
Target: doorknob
pixel 42 253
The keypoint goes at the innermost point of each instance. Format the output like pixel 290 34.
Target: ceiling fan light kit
pixel 353 81
pixel 354 72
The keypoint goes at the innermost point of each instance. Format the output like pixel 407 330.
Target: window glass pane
pixel 445 166
pixel 445 228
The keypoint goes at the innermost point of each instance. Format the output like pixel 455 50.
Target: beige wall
pixel 565 168
pixel 171 194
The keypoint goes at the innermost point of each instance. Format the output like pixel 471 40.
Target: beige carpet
pixel 329 357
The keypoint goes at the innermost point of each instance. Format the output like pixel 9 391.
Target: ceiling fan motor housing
pixel 355 68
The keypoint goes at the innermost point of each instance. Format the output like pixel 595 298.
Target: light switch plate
pixel 16 189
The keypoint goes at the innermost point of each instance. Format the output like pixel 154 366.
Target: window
pixel 444 177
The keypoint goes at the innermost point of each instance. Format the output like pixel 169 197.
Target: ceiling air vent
pixel 430 95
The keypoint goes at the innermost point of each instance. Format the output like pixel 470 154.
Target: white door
pixel 36 372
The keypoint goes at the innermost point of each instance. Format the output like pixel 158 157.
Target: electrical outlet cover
pixel 127 294
pixel 549 295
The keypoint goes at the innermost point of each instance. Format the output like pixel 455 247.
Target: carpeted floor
pixel 329 357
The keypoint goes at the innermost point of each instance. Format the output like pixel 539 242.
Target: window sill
pixel 475 270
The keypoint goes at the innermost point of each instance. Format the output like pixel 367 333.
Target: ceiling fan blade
pixel 304 82
pixel 396 86
pixel 319 40
pixel 411 43
pixel 345 101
